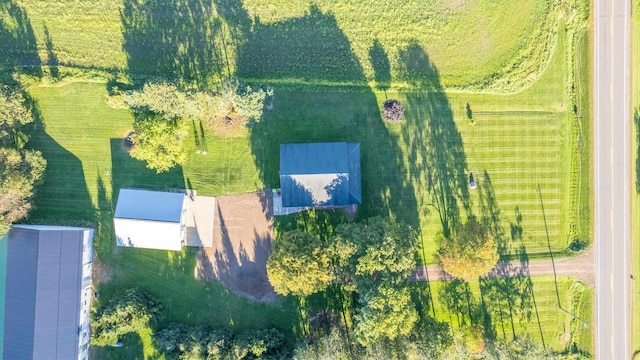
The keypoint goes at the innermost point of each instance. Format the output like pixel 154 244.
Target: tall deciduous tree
pixel 134 311
pixel 386 314
pixel 159 142
pixel 299 265
pixel 375 249
pixel 14 113
pixel 469 252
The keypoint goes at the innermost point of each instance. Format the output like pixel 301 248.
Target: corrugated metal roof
pixel 320 174
pixel 43 285
pixel 150 205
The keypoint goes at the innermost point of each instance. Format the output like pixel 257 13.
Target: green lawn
pixel 82 142
pixel 556 315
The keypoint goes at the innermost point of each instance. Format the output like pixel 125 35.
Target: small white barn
pixel 150 219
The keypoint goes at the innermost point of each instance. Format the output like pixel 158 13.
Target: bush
pixel 134 311
pixel 393 111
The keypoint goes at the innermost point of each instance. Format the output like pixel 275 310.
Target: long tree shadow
pixel 436 153
pixel 508 289
pixel 311 48
pixel 381 66
pixel 176 39
pixel 18 44
pixel 308 116
pixel 63 198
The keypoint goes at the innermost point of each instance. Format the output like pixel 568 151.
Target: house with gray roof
pixel 47 287
pixel 320 175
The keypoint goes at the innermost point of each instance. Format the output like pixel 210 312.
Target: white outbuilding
pixel 150 219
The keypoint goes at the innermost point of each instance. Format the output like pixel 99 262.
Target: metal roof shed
pixel 47 292
pixel 320 174
pixel 150 219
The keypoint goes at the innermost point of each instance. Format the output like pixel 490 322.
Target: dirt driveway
pixel 242 236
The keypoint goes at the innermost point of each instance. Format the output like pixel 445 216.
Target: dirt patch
pixel 242 238
pixel 100 273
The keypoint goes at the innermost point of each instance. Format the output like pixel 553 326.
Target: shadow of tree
pixel 381 67
pixel 18 44
pixel 308 116
pixel 52 59
pixel 63 198
pixel 132 349
pixel 507 290
pixel 132 173
pixel 311 48
pixel 177 39
pixel 434 145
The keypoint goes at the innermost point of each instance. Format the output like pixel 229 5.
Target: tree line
pixel 21 169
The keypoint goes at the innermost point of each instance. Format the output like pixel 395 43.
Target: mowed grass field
pixel 552 312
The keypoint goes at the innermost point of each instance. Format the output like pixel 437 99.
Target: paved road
pixel 580 267
pixel 612 178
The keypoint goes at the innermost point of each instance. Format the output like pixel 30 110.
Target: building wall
pixel 149 234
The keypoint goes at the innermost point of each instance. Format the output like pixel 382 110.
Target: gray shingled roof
pixel 320 174
pixel 42 299
pixel 149 205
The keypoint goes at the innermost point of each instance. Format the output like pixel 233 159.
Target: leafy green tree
pixel 299 264
pixel 134 311
pixel 375 249
pixel 386 314
pixel 255 344
pixel 14 113
pixel 20 172
pixel 327 346
pixel 162 99
pixel 243 100
pixel 179 341
pixel 432 337
pixel 160 143
pixel 469 252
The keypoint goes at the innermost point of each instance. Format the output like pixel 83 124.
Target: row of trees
pixel 21 170
pixel 136 310
pixel 161 110
pixel 372 259
pixel 179 341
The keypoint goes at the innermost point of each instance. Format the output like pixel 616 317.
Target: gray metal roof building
pixel 150 219
pixel 320 174
pixel 47 292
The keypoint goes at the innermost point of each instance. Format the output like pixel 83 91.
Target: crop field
pixel 489 44
pixel 496 90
